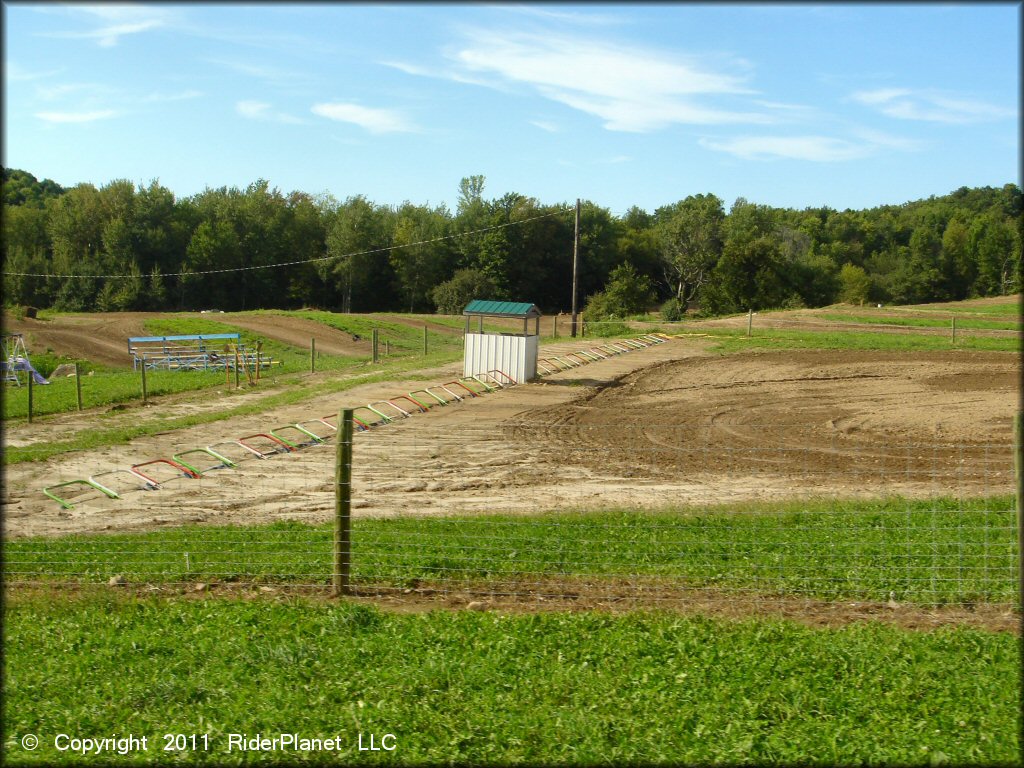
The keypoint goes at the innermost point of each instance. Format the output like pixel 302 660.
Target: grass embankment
pixel 924 322
pixel 924 552
pixel 482 688
pixel 736 340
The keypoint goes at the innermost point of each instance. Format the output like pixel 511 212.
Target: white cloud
pixel 630 89
pixel 158 97
pixel 930 106
pixel 76 117
pixel 15 73
pixel 544 125
pixel 259 110
pixel 372 119
pixel 821 149
pixel 120 20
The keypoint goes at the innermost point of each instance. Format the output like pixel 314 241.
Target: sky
pixel 806 105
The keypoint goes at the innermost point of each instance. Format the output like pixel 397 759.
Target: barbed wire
pixel 351 254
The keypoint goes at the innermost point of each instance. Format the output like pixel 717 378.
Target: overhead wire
pixel 301 261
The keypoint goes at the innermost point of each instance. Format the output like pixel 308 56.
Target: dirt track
pixel 655 427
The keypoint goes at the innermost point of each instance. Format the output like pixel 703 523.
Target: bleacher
pixel 194 352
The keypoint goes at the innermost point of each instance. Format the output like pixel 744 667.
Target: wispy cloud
pixel 157 97
pixel 630 89
pixel 544 125
pixel 930 106
pixel 266 72
pixel 374 120
pixel 76 117
pixel 115 21
pixel 15 73
pixel 259 110
pixel 821 149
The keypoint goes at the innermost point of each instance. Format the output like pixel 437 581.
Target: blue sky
pixel 848 106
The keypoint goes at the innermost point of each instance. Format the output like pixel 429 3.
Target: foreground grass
pixel 925 552
pixel 478 688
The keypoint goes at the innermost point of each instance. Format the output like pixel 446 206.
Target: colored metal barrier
pixel 280 447
pixel 306 440
pixel 90 483
pixel 422 408
pixel 222 461
pixel 426 391
pixel 169 462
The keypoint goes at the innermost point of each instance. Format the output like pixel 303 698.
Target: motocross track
pixel 670 424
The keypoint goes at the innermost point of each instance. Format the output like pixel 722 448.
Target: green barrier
pixel 91 483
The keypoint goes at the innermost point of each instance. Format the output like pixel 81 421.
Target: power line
pixel 305 261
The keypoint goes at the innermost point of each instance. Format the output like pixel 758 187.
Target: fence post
pixel 953 330
pixel 78 386
pixel 343 505
pixel 376 356
pixel 554 326
pixel 236 367
pixel 750 320
pixel 424 339
pixel 145 392
pixel 312 355
pixel 30 391
pixel 259 362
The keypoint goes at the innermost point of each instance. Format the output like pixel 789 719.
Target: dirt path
pixel 665 425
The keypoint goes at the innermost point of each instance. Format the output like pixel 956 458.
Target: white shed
pixel 514 354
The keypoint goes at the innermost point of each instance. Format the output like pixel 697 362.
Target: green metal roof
pixel 501 308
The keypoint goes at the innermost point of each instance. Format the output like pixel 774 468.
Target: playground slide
pixel 21 364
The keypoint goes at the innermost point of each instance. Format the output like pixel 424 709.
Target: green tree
pixel 855 284
pixel 690 236
pixel 627 293
pixel 452 296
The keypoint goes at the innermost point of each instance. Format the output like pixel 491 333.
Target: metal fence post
pixel 78 386
pixel 312 355
pixel 424 339
pixel 30 391
pixel 376 356
pixel 343 505
pixel 145 392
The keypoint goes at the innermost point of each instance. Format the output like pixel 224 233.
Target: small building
pixel 514 354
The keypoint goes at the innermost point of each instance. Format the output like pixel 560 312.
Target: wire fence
pixel 542 509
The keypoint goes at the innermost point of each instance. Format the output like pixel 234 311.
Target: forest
pixel 124 247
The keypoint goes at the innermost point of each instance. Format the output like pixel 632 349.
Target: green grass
pixel 926 552
pixel 486 688
pixel 1008 308
pixel 924 322
pixel 735 340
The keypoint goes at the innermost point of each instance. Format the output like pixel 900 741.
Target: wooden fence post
pixel 343 505
pixel 78 386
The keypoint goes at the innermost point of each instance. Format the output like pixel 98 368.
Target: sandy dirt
pixel 670 424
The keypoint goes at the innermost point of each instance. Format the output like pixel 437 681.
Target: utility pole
pixel 575 267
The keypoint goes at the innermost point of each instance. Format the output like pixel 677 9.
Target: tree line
pixel 128 247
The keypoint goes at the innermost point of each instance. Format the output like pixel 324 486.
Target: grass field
pixel 480 688
pixel 253 652
pixel 927 552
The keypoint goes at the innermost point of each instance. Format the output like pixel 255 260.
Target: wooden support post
pixel 424 339
pixel 343 505
pixel 259 356
pixel 575 266
pixel 953 330
pixel 78 386
pixel 387 347
pixel 31 389
pixel 236 367
pixel 554 326
pixel 750 321
pixel 145 391
pixel 312 355
pixel 376 355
